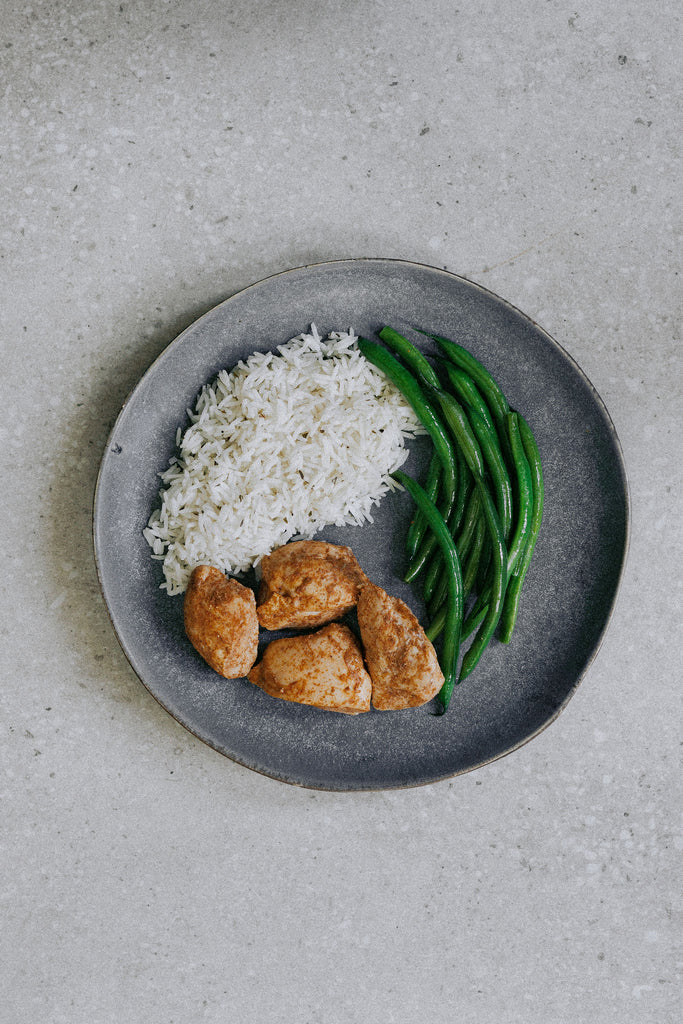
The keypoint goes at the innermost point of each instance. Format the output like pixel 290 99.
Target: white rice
pixel 285 444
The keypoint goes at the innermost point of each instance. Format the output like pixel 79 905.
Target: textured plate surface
pixel 568 597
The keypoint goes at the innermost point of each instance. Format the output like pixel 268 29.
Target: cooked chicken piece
pixel 220 621
pixel 400 658
pixel 324 669
pixel 308 583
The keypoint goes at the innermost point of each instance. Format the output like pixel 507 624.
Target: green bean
pixel 412 392
pixel 465 484
pixel 458 423
pixel 498 585
pixel 481 512
pixel 478 611
pixel 524 498
pixel 468 526
pixel 512 597
pixel 433 585
pixel 420 366
pixel 524 487
pixel 439 592
pixel 471 566
pixel 469 555
pixel 466 391
pixel 465 534
pixel 482 600
pixel 469 394
pixel 484 565
pixel 461 430
pixel 482 589
pixel 493 457
pixel 453 622
pixel 418 526
pixel 410 354
pixel 428 545
pixel 417 362
pixel 421 559
pixel 495 399
pixel 434 565
pixel 435 578
pixel 518 562
pixel 436 626
pixel 452 512
pixel 470 622
pixel 474 619
pixel 455 521
pixel 463 543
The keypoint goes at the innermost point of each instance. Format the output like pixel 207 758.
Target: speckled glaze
pixel 516 690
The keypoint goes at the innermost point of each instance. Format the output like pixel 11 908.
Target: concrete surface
pixel 155 158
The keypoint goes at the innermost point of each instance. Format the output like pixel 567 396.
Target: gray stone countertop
pixel 157 157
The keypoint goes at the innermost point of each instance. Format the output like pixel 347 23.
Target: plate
pixel 517 690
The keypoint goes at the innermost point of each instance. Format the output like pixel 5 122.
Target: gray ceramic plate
pixel 569 594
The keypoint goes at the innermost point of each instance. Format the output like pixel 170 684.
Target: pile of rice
pixel 285 444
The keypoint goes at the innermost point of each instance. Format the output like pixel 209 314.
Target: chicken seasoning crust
pixel 401 660
pixel 324 669
pixel 308 583
pixel 220 621
pixel 393 666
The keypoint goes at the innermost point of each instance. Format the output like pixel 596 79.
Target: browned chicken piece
pixel 308 583
pixel 220 621
pixel 400 657
pixel 324 669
